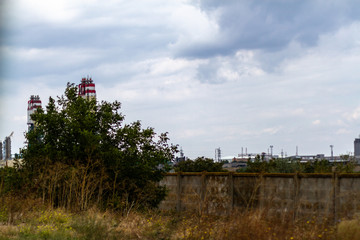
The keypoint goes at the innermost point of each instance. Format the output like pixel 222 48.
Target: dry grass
pixel 93 224
pixel 349 230
pixel 39 222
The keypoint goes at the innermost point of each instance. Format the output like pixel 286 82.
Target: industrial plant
pixel 86 90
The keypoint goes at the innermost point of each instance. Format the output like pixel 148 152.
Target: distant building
pixel 228 159
pixel 218 155
pixel 181 158
pixel 235 164
pixel 312 158
pixel 357 149
pixel 7 148
pixel 252 156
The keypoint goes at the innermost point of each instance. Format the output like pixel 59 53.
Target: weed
pixel 152 224
pixel 349 229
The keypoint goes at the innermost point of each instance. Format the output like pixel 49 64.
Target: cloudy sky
pixel 226 74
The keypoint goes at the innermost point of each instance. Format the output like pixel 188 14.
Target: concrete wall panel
pixel 332 195
pixel 349 196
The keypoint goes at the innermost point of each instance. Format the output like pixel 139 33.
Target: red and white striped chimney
pixel 33 104
pixel 87 88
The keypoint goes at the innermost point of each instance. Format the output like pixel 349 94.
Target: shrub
pixel 80 153
pixel 200 164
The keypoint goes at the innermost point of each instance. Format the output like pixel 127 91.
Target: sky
pixel 229 74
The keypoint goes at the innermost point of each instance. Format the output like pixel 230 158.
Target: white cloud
pixel 190 133
pixel 355 114
pixel 272 130
pixel 167 66
pixel 316 122
pixel 193 26
pixel 298 112
pixel 45 11
pixel 343 131
pixel 22 118
pixel 221 92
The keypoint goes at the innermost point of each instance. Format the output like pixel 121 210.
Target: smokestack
pixel 87 88
pixel 33 104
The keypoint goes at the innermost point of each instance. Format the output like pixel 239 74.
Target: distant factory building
pixel 7 147
pixel 357 149
pixel 181 158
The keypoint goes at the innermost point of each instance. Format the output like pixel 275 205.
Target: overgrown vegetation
pixel 284 165
pixel 81 154
pixel 200 164
pixel 84 172
pixel 40 223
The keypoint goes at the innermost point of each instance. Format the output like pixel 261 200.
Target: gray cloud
pixel 214 73
pixel 269 25
pixel 207 73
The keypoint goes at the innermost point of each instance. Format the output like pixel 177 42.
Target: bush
pixel 200 164
pixel 284 165
pixel 80 153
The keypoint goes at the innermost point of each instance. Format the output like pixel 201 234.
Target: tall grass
pixel 41 222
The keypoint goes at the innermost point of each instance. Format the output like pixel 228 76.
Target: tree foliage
pixel 285 165
pixel 81 153
pixel 200 164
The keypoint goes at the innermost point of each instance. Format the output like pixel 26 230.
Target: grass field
pixel 47 223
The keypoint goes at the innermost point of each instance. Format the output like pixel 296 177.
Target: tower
pixel 357 149
pixel 7 147
pixel 332 152
pixel 217 154
pixel 87 88
pixel 33 104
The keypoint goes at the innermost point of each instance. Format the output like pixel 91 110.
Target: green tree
pixel 348 166
pixel 200 164
pixel 322 166
pixel 256 166
pixel 284 165
pixel 81 153
pixel 278 165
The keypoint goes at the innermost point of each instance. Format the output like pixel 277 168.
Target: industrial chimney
pixel 33 104
pixel 87 88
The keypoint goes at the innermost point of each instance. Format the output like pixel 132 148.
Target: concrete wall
pixel 328 195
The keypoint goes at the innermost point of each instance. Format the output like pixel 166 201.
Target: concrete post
pixel 336 193
pixel 262 192
pixel 178 192
pixel 203 191
pixel 231 192
pixel 296 194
